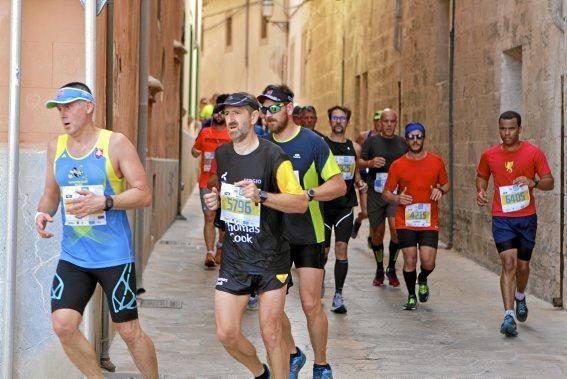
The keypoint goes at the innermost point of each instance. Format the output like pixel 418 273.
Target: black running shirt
pixel 345 155
pixel 387 148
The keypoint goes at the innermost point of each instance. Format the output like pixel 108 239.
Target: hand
pixel 249 190
pixel 41 223
pixel 195 153
pixel 362 186
pixel 481 198
pixel 378 162
pixel 404 199
pixel 436 193
pixel 523 181
pixel 212 199
pixel 88 203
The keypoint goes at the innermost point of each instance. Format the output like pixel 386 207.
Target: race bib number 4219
pixel 237 209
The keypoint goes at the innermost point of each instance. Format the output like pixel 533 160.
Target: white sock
pixel 510 312
pixel 520 295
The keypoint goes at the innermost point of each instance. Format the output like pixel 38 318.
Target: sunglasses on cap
pixel 273 109
pixel 415 137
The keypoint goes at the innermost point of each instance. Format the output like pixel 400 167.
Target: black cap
pixel 275 94
pixel 239 99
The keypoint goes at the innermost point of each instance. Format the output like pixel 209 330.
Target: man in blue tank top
pixel 87 172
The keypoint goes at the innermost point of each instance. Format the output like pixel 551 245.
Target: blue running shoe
pixel 252 302
pixel 296 364
pixel 322 372
pixel 508 327
pixel 521 310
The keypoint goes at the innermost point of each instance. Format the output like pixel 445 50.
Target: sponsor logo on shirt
pixel 241 233
pixel 509 166
pixel 296 156
pixel 223 176
pixel 221 281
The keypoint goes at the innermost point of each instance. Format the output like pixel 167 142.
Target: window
pixel 511 90
pixel 264 28
pixel 229 31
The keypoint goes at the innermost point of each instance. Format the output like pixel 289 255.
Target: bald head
pixel 389 121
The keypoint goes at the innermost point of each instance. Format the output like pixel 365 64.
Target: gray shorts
pixel 379 209
pixel 202 192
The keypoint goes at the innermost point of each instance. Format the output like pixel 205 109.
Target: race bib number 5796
pixel 237 209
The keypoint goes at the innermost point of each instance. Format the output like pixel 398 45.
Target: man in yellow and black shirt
pixel 318 174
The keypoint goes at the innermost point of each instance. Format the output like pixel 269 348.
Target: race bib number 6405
pixel 237 209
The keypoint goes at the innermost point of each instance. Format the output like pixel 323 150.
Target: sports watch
pixel 263 195
pixel 311 194
pixel 108 203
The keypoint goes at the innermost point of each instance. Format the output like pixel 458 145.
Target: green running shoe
pixel 423 292
pixel 411 304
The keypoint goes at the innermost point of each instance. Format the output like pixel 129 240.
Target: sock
pixel 520 295
pixel 296 354
pixel 379 256
pixel 409 278
pixel 265 374
pixel 394 249
pixel 423 274
pixel 510 312
pixel 341 269
pixel 327 366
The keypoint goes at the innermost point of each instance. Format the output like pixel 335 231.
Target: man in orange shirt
pixel 205 145
pixel 421 180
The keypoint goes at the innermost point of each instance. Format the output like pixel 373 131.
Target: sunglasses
pixel 273 109
pixel 415 137
pixel 338 118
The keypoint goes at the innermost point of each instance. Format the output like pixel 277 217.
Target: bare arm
pixel 49 201
pixel 331 189
pixel 360 184
pixel 545 183
pixel 481 187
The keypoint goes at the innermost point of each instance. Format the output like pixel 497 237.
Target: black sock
pixel 379 256
pixel 423 274
pixel 341 269
pixel 296 354
pixel 266 374
pixel 327 366
pixel 409 278
pixel 394 249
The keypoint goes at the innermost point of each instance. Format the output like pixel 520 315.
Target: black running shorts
pixel 73 287
pixel 341 220
pixel 412 238
pixel 243 283
pixel 312 255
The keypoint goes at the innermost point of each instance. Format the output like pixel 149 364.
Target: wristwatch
pixel 536 182
pixel 263 196
pixel 108 203
pixel 311 194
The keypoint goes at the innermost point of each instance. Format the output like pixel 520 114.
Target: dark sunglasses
pixel 415 137
pixel 273 109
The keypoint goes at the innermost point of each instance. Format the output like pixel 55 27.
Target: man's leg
pixel 410 275
pixel 378 250
pixel 218 254
pixel 508 277
pixel 140 346
pixel 271 310
pixel 66 326
pixel 228 313
pixel 427 256
pixel 309 291
pixel 209 234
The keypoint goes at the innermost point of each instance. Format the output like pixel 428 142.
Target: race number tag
pixel 418 215
pixel 208 157
pixel 347 164
pixel 513 198
pixel 70 192
pixel 380 181
pixel 237 209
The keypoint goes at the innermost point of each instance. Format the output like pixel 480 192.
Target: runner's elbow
pixel 147 200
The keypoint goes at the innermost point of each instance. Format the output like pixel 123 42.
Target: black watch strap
pixel 108 203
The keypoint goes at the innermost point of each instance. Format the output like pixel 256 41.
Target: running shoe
pixel 252 303
pixel 338 304
pixel 521 310
pixel 411 304
pixel 355 227
pixel 267 373
pixel 378 278
pixel 322 372
pixel 392 277
pixel 423 292
pixel 508 327
pixel 210 260
pixel 296 364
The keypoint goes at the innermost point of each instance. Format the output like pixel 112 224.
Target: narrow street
pixel 455 334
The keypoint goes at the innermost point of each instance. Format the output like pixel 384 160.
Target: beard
pixel 275 125
pixel 339 129
pixel 415 148
pixel 238 135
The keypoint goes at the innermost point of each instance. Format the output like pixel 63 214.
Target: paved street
pixel 455 334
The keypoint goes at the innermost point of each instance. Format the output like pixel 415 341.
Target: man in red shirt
pixel 513 165
pixel 421 180
pixel 205 145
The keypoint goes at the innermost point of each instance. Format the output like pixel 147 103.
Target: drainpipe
pixel 558 302
pixel 451 136
pixel 142 130
pixel 13 174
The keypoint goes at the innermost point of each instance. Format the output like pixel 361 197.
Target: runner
pixel 257 185
pixel 296 115
pixel 308 118
pixel 320 176
pixel 338 213
pixel 378 153
pixel 363 213
pixel 87 172
pixel 205 145
pixel 513 164
pixel 421 179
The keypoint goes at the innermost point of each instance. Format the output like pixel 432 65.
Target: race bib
pixel 513 198
pixel 347 164
pixel 237 209
pixel 418 215
pixel 70 192
pixel 380 181
pixel 208 157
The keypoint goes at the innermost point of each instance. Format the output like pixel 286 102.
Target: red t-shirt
pixel 505 166
pixel 207 142
pixel 418 176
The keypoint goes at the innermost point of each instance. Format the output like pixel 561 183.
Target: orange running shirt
pixel 505 166
pixel 207 142
pixel 418 176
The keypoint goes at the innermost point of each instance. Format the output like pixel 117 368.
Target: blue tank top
pixel 104 239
